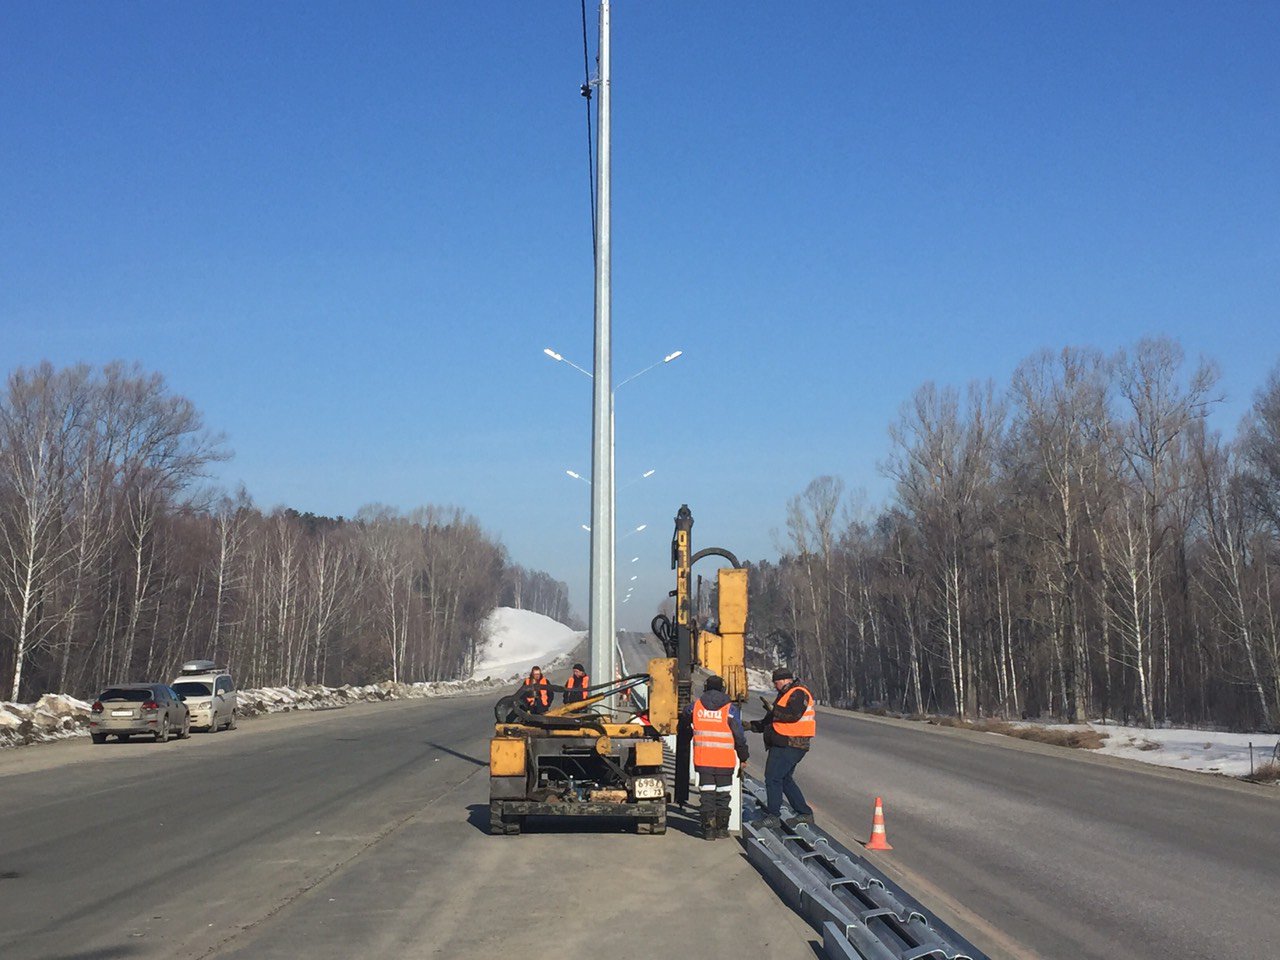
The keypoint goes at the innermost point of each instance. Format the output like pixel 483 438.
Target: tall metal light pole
pixel 602 624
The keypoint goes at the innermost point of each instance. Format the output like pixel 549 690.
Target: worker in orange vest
pixel 575 688
pixel 789 728
pixel 537 699
pixel 719 743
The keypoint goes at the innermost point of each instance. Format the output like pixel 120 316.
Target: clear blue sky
pixel 347 231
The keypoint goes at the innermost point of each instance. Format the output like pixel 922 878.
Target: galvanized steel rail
pixel 861 913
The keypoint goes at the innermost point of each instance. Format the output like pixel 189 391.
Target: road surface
pixel 1037 851
pixel 359 832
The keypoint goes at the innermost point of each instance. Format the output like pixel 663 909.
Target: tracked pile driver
pixel 591 759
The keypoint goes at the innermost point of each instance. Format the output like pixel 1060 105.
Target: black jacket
pixel 577 694
pixel 792 712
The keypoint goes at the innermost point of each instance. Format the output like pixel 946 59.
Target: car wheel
pixel 213 722
pixel 186 729
pixel 162 735
pixel 231 724
pixel 99 737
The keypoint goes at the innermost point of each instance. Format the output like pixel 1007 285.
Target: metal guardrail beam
pixel 859 911
pixel 638 696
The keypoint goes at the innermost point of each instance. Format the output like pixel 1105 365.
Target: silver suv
pixel 209 693
pixel 139 708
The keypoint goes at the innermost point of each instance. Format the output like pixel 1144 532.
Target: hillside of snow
pixel 519 639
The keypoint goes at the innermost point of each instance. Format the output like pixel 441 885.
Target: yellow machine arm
pixel 723 653
pixel 690 645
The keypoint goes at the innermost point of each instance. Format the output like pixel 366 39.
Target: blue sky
pixel 348 231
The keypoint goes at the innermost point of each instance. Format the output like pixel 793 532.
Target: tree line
pixel 117 561
pixel 1078 545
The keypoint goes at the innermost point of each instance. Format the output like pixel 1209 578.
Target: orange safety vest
pixel 806 726
pixel 542 694
pixel 586 682
pixel 713 738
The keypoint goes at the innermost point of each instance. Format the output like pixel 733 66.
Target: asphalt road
pixel 637 650
pixel 1045 853
pixel 1036 851
pixel 359 832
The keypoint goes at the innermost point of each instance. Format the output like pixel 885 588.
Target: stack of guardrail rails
pixel 861 913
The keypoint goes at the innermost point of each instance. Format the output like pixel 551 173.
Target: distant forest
pixel 1076 544
pixel 117 563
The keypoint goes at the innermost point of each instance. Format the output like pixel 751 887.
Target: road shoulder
pixel 1076 754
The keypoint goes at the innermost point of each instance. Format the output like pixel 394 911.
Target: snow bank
pixel 279 699
pixel 519 639
pixel 57 716
pixel 54 716
pixel 1204 751
pixel 1184 748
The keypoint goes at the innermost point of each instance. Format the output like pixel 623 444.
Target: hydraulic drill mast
pixel 722 653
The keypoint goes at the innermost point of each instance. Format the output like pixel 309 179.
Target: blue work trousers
pixel 779 783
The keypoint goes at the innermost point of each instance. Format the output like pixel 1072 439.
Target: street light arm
pixel 631 483
pixel 667 359
pixel 560 359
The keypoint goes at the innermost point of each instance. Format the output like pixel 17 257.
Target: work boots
pixel 722 824
pixel 709 823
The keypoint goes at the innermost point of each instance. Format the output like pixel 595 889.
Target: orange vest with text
pixel 713 738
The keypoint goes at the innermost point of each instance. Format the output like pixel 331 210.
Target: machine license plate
pixel 649 788
pixel 122 713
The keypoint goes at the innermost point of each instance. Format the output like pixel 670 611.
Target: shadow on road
pixel 461 756
pixel 102 953
pixel 478 816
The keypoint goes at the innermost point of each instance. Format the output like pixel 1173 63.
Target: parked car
pixel 210 695
pixel 139 708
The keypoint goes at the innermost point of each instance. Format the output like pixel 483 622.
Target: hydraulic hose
pixel 512 709
pixel 665 631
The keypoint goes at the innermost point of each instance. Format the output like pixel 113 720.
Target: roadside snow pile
pixel 1205 751
pixel 54 716
pixel 251 703
pixel 1183 748
pixel 1202 751
pixel 57 717
pixel 519 639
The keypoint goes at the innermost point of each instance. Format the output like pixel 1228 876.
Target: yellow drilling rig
pixel 592 758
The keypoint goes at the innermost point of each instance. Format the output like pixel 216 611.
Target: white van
pixel 209 693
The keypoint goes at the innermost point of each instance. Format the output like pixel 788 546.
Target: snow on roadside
pixel 55 716
pixel 519 639
pixel 59 717
pixel 1204 751
pixel 1183 748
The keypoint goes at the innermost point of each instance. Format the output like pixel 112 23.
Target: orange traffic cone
pixel 879 839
